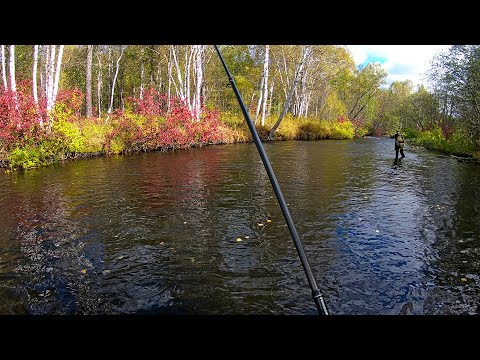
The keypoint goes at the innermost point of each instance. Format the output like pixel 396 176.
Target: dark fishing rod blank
pixel 316 293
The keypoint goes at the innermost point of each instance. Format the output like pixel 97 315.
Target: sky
pixel 402 62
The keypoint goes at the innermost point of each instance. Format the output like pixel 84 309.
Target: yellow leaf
pixel 464 279
pixel 83 271
pixel 239 239
pixel 269 220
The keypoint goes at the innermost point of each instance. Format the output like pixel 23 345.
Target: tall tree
pixel 13 84
pixel 199 82
pixel 455 75
pixel 34 74
pixel 306 51
pixel 265 85
pixel 110 107
pixel 53 65
pixel 99 85
pixel 57 71
pixel 263 91
pixel 88 81
pixel 142 72
pixel 34 82
pixel 4 73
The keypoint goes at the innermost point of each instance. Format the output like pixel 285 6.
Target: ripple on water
pixel 158 232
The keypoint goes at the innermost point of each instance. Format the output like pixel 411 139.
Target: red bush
pixel 181 127
pixel 21 119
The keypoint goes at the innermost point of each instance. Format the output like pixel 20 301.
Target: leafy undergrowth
pixel 455 144
pixel 31 137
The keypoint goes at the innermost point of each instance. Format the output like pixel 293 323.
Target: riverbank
pixel 126 132
pixel 455 145
pixel 30 138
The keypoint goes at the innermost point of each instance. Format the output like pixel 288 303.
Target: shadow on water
pixel 199 231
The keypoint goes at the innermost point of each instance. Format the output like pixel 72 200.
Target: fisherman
pixel 399 144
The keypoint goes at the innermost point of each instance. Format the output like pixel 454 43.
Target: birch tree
pixel 189 85
pixel 260 98
pixel 49 67
pixel 110 107
pixel 199 82
pixel 88 81
pixel 11 63
pixel 142 72
pixel 169 71
pixel 53 65
pixel 99 85
pixel 34 74
pixel 265 85
pixel 34 85
pixel 43 72
pixel 57 73
pixel 306 51
pixel 180 88
pixel 4 73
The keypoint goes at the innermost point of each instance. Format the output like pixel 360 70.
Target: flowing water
pixel 158 232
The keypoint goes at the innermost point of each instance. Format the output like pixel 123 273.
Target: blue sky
pixel 401 62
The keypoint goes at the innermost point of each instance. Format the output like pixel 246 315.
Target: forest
pixel 62 102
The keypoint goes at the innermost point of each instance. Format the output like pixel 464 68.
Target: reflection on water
pixel 186 232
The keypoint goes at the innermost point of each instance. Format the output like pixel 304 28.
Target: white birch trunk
pixel 270 99
pixel 34 85
pixel 203 98
pixel 99 86
pixel 88 82
pixel 188 66
pixel 57 72
pixel 52 78
pixel 50 69
pixel 198 81
pixel 265 85
pixel 113 86
pixel 287 80
pixel 180 91
pixel 109 70
pixel 169 71
pixel 4 70
pixel 34 74
pixel 142 71
pixel 42 69
pixel 284 86
pixel 251 100
pixel 11 63
pixel 305 54
pixel 260 98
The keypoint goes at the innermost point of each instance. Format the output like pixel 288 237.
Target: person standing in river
pixel 399 143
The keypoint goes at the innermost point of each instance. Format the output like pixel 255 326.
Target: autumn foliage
pixel 156 123
pixel 19 117
pixel 150 123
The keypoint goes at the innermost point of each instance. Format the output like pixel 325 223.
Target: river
pixel 199 231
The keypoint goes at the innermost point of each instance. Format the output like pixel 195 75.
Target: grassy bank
pixel 126 132
pixel 29 137
pixel 455 144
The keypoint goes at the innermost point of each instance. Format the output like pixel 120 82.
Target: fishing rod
pixel 316 293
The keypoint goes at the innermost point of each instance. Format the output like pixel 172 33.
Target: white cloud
pixel 402 62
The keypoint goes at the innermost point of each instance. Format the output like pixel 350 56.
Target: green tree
pixel 455 75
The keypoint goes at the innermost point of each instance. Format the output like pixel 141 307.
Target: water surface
pixel 157 232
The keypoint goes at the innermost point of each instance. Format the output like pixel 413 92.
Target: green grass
pixel 456 144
